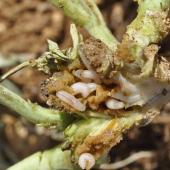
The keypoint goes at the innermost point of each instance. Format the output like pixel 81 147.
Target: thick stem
pixel 150 26
pixel 86 14
pixel 97 136
pixel 54 159
pixel 33 112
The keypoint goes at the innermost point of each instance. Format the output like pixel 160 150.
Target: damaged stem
pixel 150 26
pixel 97 136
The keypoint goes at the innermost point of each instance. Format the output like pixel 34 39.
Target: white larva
pixel 92 87
pixel 71 100
pixel 89 74
pixel 126 85
pixel 86 161
pixel 83 88
pixel 114 104
pixel 85 74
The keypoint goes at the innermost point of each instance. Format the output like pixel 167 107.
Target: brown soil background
pixel 25 25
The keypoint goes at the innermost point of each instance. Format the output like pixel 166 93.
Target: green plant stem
pixel 150 26
pixel 85 135
pixel 86 14
pixel 33 112
pixel 77 133
pixel 14 70
pixel 54 159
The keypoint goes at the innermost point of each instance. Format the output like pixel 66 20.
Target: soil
pixel 25 27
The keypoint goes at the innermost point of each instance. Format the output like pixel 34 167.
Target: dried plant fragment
pixel 60 81
pixel 99 57
pixel 95 100
pixel 162 70
pixel 150 54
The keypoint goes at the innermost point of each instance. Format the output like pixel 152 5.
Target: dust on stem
pixel 149 27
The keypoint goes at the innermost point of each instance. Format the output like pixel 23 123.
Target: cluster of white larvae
pixel 126 96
